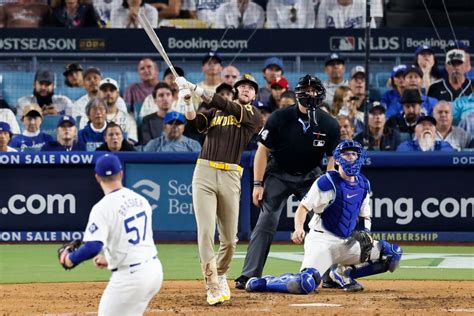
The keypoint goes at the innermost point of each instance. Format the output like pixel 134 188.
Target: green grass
pixel 38 263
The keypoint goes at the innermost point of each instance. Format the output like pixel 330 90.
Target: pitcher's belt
pixel 220 165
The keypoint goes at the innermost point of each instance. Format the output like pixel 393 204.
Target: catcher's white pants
pixel 323 249
pixel 130 289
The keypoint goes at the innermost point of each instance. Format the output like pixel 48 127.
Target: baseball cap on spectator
pixel 398 69
pixel 44 75
pixel 357 70
pixel 179 71
pixel 71 68
pixel 223 87
pixel 411 96
pixel 413 68
pixel 110 82
pixel 281 82
pixel 5 127
pixel 90 70
pixel 32 110
pixel 273 61
pixel 174 117
pixel 212 56
pixel 376 106
pixel 426 118
pixel 66 118
pixel 424 48
pixel 457 45
pixel 107 165
pixel 262 106
pixel 455 56
pixel 334 57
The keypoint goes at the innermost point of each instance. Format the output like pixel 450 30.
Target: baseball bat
pixel 142 19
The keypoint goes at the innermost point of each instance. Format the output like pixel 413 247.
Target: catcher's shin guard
pixel 297 283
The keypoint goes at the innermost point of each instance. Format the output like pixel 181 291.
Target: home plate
pixel 315 305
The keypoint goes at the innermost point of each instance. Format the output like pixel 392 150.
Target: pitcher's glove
pixel 365 241
pixel 66 249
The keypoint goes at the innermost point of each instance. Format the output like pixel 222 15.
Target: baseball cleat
pixel 330 284
pixel 354 286
pixel 214 296
pixel 224 287
pixel 240 282
pixel 256 285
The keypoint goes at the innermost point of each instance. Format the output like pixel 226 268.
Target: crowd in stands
pixel 427 108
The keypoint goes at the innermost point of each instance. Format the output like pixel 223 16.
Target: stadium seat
pixel 71 93
pixel 381 79
pixel 129 77
pixel 16 84
pixel 49 124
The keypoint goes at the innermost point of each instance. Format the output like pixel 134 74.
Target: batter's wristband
pixel 258 183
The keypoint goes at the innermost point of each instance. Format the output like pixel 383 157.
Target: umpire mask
pixel 310 92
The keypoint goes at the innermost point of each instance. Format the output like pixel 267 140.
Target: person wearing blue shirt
pixel 462 107
pixel 172 139
pixel 92 136
pixel 425 138
pixel 392 97
pixel 32 138
pixel 66 137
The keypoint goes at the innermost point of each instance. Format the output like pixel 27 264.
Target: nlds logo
pixel 350 43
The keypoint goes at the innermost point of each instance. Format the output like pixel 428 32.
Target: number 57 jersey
pixel 121 220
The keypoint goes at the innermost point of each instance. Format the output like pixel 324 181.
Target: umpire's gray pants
pixel 278 186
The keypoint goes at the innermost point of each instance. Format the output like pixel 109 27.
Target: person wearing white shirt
pixel 290 14
pixel 240 14
pixel 126 16
pixel 343 14
pixel 104 10
pixel 206 10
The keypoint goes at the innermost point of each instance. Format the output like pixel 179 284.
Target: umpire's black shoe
pixel 241 281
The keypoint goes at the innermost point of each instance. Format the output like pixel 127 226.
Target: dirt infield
pixel 187 298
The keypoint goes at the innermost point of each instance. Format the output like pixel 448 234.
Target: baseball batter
pixel 340 201
pixel 120 225
pixel 229 126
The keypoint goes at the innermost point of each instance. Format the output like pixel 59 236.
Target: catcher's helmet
pixel 351 168
pixel 310 91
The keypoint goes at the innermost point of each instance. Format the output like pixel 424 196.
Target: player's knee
pixel 315 273
pixel 391 253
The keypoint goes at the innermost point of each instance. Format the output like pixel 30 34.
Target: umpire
pixel 296 139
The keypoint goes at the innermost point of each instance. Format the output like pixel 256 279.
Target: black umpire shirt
pixel 442 90
pixel 296 147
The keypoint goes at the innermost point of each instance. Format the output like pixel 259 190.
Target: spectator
pixel 109 90
pixel 149 104
pixel 230 74
pixel 288 98
pixel 347 14
pixel 92 79
pixel 32 138
pixel 136 93
pixel 467 124
pixel 357 84
pixel 225 91
pixel 205 10
pixel 296 14
pixel 24 14
pixel 172 139
pixel 104 10
pixel 43 95
pixel 212 69
pixel 272 69
pixel 73 75
pixel 168 10
pixel 265 110
pixel 152 124
pixel 425 59
pixel 72 14
pixel 5 137
pixel 381 137
pixel 462 107
pixel 455 136
pixel 391 98
pixel 345 104
pixel 456 84
pixel 240 14
pixel 469 71
pixel 66 137
pixel 126 16
pixel 7 116
pixel 277 87
pixel 114 140
pixel 413 79
pixel 425 137
pixel 92 135
pixel 405 122
pixel 346 127
pixel 335 68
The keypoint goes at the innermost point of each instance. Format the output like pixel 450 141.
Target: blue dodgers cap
pixel 66 118
pixel 212 56
pixel 174 116
pixel 5 127
pixel 334 57
pixel 273 61
pixel 424 48
pixel 398 69
pixel 107 165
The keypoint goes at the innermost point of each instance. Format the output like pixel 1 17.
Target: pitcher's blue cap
pixel 107 165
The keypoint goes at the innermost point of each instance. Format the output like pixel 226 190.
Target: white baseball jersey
pixel 333 15
pixel 206 9
pixel 121 220
pixel 228 15
pixel 290 14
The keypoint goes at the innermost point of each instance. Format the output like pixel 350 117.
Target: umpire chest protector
pixel 340 217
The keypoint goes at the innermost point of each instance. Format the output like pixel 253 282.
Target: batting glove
pixel 184 97
pixel 181 82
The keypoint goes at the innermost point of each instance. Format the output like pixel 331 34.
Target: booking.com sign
pixel 168 189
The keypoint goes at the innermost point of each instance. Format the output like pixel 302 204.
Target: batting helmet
pixel 310 91
pixel 351 168
pixel 247 78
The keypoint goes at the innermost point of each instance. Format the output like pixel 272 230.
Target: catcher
pixel 339 242
pixel 119 224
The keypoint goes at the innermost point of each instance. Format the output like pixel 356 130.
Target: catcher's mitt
pixel 66 249
pixel 365 241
